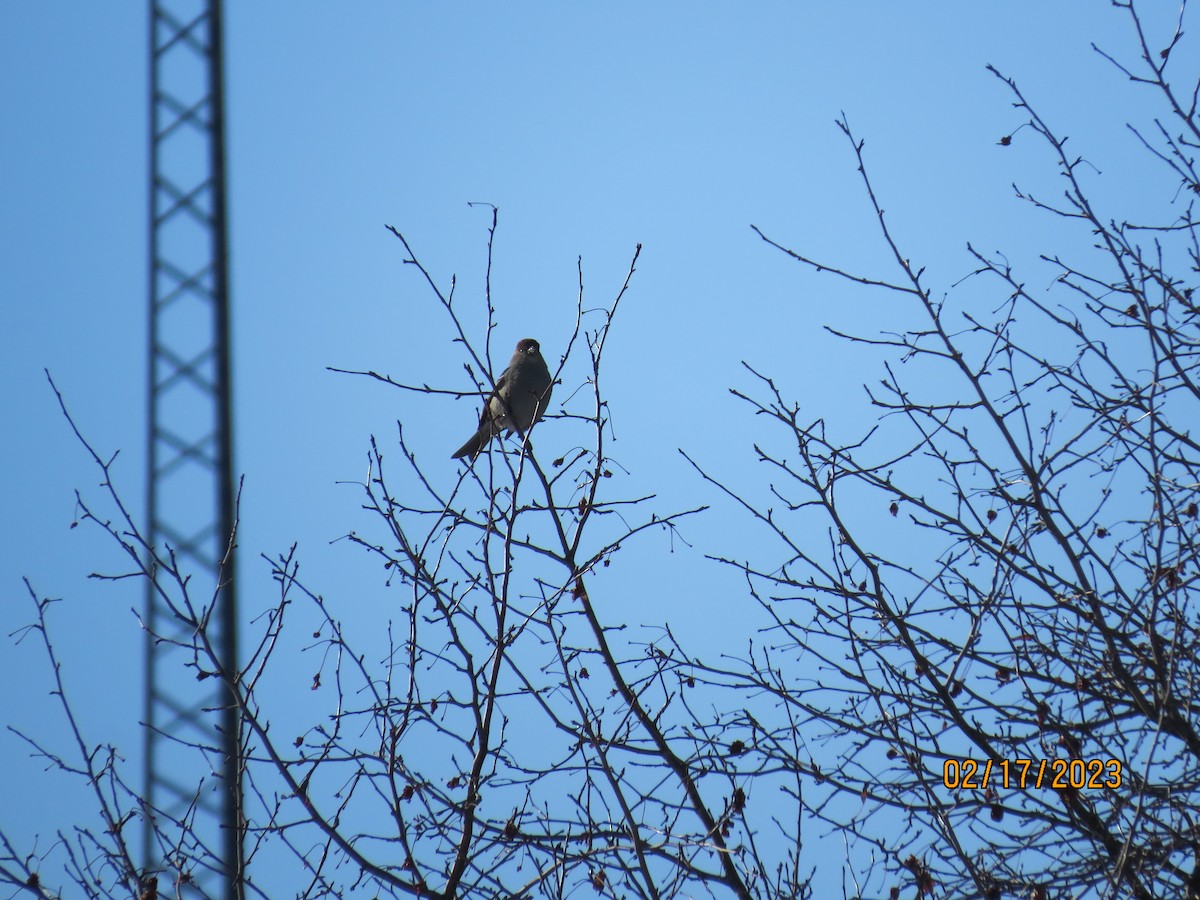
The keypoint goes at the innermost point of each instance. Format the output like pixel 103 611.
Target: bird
pixel 521 396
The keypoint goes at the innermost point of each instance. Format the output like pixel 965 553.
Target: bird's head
pixel 528 347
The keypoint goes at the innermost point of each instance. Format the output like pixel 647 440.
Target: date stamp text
pixel 1056 774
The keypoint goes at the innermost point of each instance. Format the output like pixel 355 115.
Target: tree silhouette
pixel 989 593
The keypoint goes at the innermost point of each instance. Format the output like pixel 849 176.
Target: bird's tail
pixel 475 444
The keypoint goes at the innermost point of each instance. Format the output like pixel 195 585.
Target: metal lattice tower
pixel 190 468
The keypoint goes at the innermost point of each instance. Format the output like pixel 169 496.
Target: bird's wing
pixel 486 415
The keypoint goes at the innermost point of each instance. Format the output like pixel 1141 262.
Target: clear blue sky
pixel 593 128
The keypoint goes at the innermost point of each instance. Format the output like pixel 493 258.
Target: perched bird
pixel 521 397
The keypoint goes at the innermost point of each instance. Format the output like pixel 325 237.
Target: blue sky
pixel 593 128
